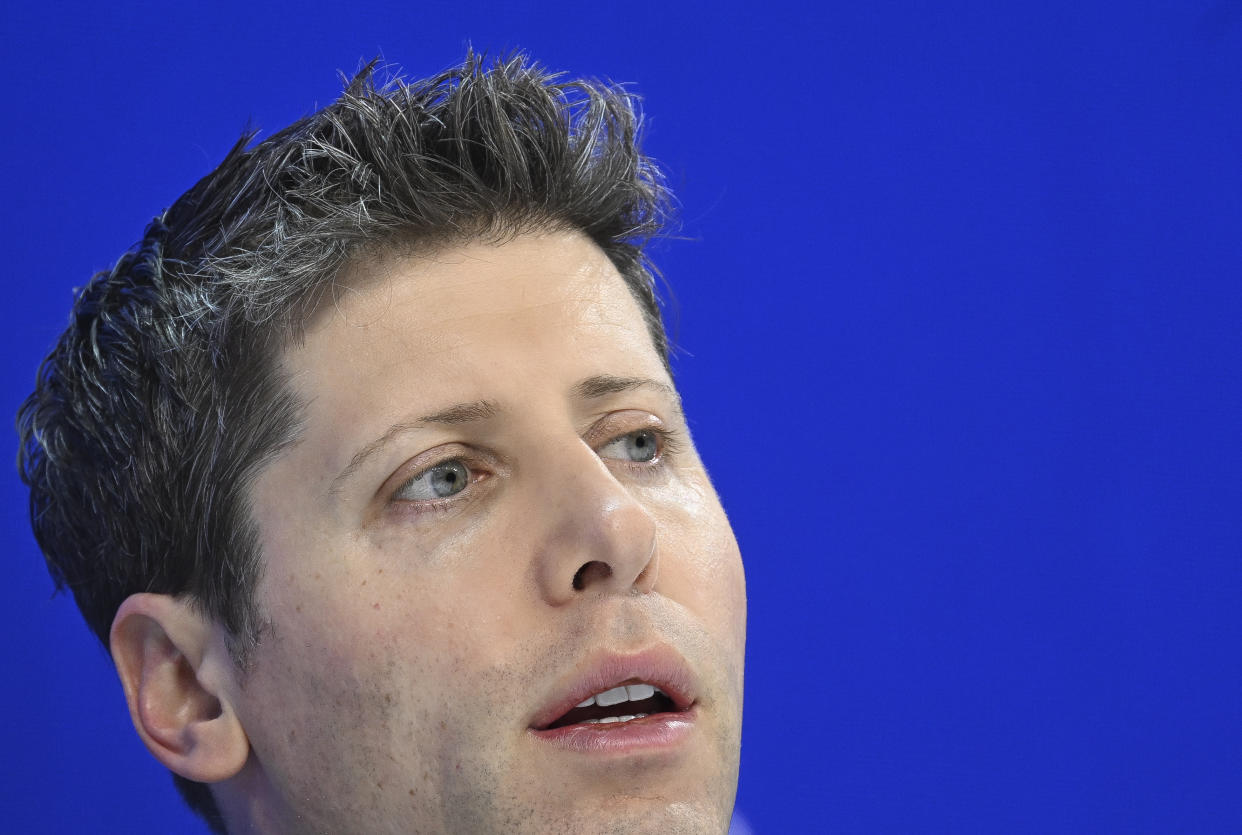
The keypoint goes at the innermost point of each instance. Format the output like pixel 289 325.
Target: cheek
pixel 343 645
pixel 366 693
pixel 383 631
pixel 701 567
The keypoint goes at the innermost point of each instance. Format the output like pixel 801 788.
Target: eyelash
pixel 668 445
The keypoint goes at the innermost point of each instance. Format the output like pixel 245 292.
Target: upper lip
pixel 661 666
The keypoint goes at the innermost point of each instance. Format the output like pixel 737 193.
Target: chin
pixel 648 816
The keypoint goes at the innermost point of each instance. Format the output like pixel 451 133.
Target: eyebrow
pixel 602 385
pixel 591 388
pixel 458 413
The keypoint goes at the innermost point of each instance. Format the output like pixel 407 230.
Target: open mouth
pixel 621 704
pixel 644 704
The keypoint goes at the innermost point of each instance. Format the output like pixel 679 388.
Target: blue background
pixel 962 341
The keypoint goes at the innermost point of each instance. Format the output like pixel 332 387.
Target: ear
pixel 168 656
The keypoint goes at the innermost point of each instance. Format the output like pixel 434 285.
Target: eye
pixel 640 447
pixel 448 478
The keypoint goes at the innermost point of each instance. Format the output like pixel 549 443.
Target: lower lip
pixel 662 731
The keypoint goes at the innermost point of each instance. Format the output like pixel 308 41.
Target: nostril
pixel 591 572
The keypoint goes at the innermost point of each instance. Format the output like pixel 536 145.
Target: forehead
pixel 477 321
pixel 454 302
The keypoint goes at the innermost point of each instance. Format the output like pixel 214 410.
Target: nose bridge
pixel 597 537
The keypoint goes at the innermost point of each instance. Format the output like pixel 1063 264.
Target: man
pixel 367 465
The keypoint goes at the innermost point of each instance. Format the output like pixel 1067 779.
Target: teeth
pixel 607 720
pixel 638 692
pixel 619 694
pixel 622 693
pixel 615 696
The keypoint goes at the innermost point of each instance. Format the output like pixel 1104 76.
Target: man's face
pixel 495 513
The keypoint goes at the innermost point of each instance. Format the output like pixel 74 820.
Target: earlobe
pixel 169 665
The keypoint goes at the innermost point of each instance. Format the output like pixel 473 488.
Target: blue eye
pixel 640 447
pixel 445 479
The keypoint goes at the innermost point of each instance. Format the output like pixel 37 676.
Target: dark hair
pixel 163 399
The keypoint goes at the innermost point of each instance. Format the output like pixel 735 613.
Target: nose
pixel 598 538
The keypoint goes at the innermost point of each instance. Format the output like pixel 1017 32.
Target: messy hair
pixel 163 399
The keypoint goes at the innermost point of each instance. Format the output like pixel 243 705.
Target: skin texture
pixel 411 640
